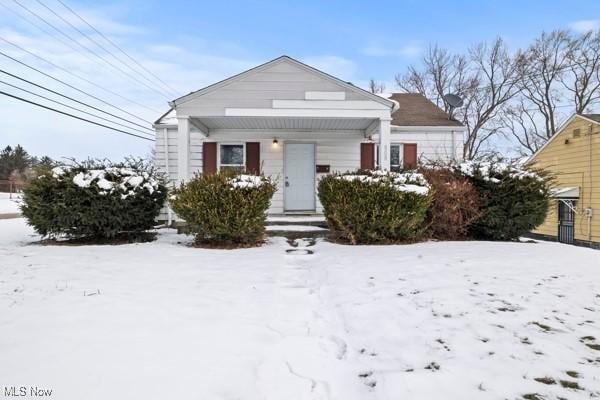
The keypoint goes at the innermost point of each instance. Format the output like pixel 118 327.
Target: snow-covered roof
pixel 168 118
pixel 388 96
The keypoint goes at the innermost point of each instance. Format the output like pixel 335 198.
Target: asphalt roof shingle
pixel 416 110
pixel 594 117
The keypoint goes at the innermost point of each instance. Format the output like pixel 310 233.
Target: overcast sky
pixel 191 44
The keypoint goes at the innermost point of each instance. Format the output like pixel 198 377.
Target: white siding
pixel 340 150
pixel 196 140
pixel 258 89
pixel 434 145
pixel 161 156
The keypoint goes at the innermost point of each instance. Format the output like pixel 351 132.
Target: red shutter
pixel 209 157
pixel 367 156
pixel 410 155
pixel 253 158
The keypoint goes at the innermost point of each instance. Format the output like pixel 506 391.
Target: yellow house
pixel 572 156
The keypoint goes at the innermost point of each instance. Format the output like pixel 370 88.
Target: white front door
pixel 299 179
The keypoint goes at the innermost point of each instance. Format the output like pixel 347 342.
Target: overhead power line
pixel 46 31
pixel 74 116
pixel 86 48
pixel 174 91
pixel 74 74
pixel 91 39
pixel 71 107
pixel 74 87
pixel 73 99
pixel 167 86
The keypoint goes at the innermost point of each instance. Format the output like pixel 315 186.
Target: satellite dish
pixel 453 100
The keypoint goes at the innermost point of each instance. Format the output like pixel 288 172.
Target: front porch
pixel 295 151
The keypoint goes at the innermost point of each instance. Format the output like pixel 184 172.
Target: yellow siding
pixel 574 164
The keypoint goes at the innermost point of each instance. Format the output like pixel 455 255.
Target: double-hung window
pixel 231 157
pixel 395 156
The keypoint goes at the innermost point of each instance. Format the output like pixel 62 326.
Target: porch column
pixel 183 148
pixel 384 143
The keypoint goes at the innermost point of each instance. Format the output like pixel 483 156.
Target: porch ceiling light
pixel 275 142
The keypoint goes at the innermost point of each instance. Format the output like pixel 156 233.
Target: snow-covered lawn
pixel 8 205
pixel 457 320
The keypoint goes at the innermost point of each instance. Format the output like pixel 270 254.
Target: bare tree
pixel 376 87
pixel 522 124
pixel 581 79
pixel 442 73
pixel 557 70
pixel 486 78
pixel 543 66
pixel 496 72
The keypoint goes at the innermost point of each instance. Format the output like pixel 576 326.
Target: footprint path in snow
pixel 309 354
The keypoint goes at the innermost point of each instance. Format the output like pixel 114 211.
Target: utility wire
pixel 82 45
pixel 74 116
pixel 73 99
pixel 174 91
pixel 47 32
pixel 71 86
pixel 74 74
pixel 103 48
pixel 71 107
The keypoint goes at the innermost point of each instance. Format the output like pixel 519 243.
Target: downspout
pixel 166 138
pixel 453 147
pixel 589 212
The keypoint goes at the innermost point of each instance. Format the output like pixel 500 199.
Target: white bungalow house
pixel 289 120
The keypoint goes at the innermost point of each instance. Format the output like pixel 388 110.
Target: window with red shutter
pixel 410 155
pixel 209 157
pixel 367 156
pixel 253 158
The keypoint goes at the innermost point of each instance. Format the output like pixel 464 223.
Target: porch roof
pixel 283 123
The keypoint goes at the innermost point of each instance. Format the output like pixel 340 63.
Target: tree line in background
pixel 522 96
pixel 18 166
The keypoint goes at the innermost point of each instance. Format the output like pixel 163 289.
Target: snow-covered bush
pixel 513 200
pixel 223 208
pixel 94 199
pixel 375 206
pixel 455 203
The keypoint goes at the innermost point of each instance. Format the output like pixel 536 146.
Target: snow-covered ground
pixel 455 320
pixel 8 205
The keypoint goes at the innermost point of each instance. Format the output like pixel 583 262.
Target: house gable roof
pixel 416 110
pixel 241 75
pixel 593 118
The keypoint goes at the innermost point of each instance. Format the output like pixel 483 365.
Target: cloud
pixel 409 50
pixel 41 132
pixel 585 25
pixel 184 63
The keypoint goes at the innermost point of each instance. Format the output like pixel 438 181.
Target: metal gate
pixel 566 222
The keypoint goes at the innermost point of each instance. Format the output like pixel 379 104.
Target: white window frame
pixel 400 155
pixel 243 165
